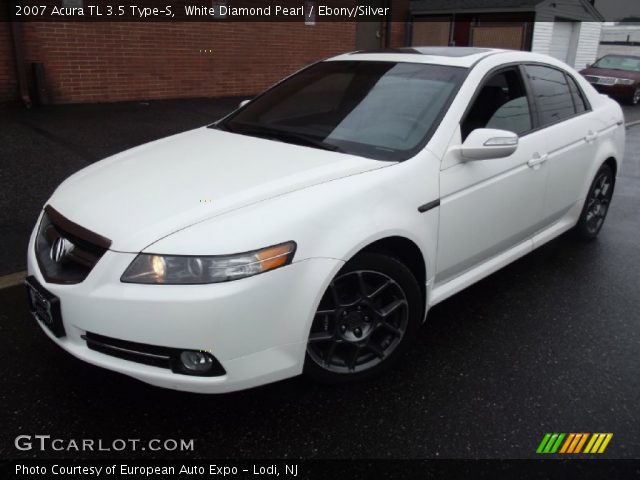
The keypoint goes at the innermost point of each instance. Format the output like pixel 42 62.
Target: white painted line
pixel 12 279
pixel 632 124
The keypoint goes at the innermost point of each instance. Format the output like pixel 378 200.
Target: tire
pixel 365 322
pixel 635 98
pixel 596 206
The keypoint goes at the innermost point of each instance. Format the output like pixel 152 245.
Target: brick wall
pixel 105 62
pixel 8 84
pixel 400 11
pixel 398 34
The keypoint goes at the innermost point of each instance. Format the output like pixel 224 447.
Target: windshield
pixel 379 110
pixel 616 62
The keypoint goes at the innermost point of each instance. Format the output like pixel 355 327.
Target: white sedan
pixel 312 229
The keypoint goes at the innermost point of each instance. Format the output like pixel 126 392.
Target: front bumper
pixel 624 92
pixel 256 327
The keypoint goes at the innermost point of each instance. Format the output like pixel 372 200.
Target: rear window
pixel 578 96
pixel 552 94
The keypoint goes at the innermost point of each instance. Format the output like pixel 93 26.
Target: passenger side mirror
pixel 488 143
pixel 243 103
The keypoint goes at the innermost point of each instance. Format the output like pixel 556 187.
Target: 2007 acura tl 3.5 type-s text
pixel 312 229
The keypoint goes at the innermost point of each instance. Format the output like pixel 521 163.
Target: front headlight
pixel 186 270
pixel 624 81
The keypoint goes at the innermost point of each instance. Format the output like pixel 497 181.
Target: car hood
pixel 146 193
pixel 605 72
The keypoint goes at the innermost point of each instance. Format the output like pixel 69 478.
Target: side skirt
pixel 445 290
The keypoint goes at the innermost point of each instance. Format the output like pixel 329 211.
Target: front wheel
pixel 596 205
pixel 365 320
pixel 635 98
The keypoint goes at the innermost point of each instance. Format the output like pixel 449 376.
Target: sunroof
pixel 450 51
pixel 435 51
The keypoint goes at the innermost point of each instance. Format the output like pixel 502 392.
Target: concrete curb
pixel 12 279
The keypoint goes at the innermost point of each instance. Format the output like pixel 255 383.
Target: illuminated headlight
pixel 624 81
pixel 186 270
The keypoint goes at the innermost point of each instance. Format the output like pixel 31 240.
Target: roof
pixel 437 51
pixel 455 5
pixel 458 6
pixel 452 56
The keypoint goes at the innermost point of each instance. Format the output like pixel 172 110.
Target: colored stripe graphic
pixel 543 443
pixel 579 438
pixel 581 442
pixel 598 443
pixel 593 439
pixel 556 446
pixel 568 442
pixel 550 443
pixel 574 443
pixel 604 445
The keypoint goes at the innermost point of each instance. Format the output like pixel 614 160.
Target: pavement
pixel 551 343
pixel 43 146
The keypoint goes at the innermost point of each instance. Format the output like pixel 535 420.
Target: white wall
pixel 549 10
pixel 542 35
pixel 584 47
pixel 588 44
pixel 619 49
pixel 621 33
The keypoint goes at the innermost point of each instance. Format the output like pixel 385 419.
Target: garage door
pixel 498 36
pixel 430 33
pixel 562 41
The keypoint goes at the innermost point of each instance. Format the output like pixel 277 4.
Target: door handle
pixel 538 159
pixel 591 137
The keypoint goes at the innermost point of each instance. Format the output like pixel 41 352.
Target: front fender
pixel 332 220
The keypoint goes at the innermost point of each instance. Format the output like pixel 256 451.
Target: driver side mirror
pixel 488 143
pixel 243 103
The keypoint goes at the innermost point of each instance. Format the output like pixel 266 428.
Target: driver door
pixel 489 206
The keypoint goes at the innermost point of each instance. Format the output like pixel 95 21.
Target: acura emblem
pixel 60 249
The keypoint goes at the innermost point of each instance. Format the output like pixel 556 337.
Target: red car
pixel 617 76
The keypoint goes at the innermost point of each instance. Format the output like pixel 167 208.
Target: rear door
pixel 570 136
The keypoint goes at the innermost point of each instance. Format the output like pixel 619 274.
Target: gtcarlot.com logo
pixel 574 443
pixel 45 443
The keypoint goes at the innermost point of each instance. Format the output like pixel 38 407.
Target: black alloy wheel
pixel 597 204
pixel 365 320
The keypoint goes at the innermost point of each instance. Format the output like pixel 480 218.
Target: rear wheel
pixel 597 204
pixel 365 320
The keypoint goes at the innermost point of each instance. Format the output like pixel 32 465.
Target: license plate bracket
pixel 44 306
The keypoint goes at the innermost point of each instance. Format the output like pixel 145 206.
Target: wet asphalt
pixel 42 146
pixel 551 343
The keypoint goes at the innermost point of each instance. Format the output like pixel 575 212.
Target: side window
pixel 578 96
pixel 501 103
pixel 552 94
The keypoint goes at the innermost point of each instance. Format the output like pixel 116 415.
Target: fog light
pixel 196 361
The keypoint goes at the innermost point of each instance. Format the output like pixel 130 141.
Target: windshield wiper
pixel 300 139
pixel 280 136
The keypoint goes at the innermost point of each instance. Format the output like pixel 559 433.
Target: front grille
pixel 163 357
pixel 67 252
